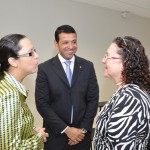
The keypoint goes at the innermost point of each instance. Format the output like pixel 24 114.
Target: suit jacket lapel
pixel 77 69
pixel 59 70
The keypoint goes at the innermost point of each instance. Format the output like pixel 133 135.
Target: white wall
pixel 96 28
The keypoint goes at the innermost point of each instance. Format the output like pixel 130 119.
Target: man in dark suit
pixel 68 109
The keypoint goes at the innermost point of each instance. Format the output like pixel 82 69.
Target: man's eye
pixel 74 42
pixel 64 43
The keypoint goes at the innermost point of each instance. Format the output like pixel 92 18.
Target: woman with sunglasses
pixel 124 122
pixel 17 60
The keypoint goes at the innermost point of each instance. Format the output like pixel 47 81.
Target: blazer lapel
pixel 77 69
pixel 59 70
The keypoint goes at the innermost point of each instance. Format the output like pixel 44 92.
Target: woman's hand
pixel 42 132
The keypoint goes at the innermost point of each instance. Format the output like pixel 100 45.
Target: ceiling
pixel 136 7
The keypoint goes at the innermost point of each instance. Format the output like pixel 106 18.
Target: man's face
pixel 67 45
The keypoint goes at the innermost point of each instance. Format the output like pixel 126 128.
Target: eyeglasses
pixel 29 54
pixel 107 57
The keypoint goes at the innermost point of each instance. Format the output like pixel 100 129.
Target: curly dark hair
pixel 135 62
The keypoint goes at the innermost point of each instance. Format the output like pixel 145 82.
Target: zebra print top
pixel 124 122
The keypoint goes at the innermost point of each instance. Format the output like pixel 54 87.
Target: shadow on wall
pixel 29 83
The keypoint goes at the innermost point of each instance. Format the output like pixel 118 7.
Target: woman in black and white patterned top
pixel 124 122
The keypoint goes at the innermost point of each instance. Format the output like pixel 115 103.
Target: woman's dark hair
pixel 9 47
pixel 63 29
pixel 135 62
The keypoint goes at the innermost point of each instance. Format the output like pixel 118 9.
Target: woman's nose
pixel 103 60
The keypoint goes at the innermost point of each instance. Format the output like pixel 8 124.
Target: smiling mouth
pixel 70 51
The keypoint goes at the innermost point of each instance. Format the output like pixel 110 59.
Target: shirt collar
pixel 15 83
pixel 62 60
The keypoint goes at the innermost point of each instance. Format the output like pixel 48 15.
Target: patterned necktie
pixel 68 71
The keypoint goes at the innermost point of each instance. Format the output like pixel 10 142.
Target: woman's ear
pixel 12 61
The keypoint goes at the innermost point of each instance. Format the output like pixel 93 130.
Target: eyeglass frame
pixel 29 54
pixel 106 57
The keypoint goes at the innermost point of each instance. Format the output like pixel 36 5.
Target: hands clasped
pixel 75 135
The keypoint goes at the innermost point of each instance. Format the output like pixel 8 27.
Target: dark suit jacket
pixel 54 98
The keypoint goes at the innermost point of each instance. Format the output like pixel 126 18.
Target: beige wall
pixel 96 27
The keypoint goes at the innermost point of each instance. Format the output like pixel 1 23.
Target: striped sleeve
pixel 16 123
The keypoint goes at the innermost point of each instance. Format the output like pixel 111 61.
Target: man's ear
pixel 56 44
pixel 12 61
